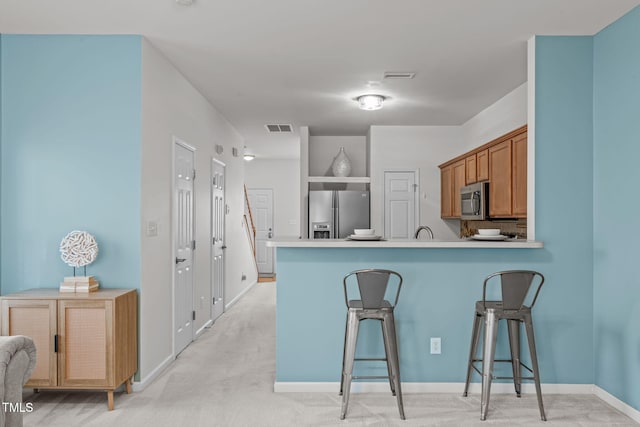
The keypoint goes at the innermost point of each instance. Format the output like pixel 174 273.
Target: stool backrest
pixel 372 285
pixel 515 286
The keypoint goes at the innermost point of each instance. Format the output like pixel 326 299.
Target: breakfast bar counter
pixel 442 281
pixel 404 243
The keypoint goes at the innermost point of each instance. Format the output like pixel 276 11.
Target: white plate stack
pixel 489 234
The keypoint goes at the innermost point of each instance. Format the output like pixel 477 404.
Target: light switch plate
pixel 152 228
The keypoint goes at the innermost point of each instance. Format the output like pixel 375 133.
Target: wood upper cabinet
pixel 471 169
pixel 452 178
pixel 458 173
pixel 508 178
pixel 84 341
pixel 482 166
pixel 502 162
pixel 446 182
pixel 519 176
pixel 500 179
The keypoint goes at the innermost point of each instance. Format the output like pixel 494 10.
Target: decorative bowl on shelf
pixel 489 231
pixel 364 231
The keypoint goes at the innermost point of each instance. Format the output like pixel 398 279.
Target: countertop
pixel 399 243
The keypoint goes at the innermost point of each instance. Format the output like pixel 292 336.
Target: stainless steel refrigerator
pixel 335 214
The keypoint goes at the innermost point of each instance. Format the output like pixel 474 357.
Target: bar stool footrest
pixel 503 378
pixel 369 377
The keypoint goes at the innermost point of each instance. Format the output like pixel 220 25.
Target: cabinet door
pixel 36 319
pixel 482 165
pixel 445 192
pixel 85 343
pixel 471 169
pixel 500 180
pixel 519 176
pixel 458 173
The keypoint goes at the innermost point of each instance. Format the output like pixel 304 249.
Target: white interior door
pixel 400 204
pixel 183 228
pixel 261 201
pixel 218 211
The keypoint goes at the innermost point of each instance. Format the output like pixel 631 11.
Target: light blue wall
pixel 616 207
pixel 441 285
pixel 70 156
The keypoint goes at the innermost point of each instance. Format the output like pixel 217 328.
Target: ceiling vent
pixel 278 128
pixel 399 75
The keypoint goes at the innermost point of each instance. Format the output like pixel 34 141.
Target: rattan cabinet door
pixel 85 356
pixel 36 319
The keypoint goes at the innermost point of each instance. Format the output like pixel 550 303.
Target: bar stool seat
pixel 515 286
pixel 372 285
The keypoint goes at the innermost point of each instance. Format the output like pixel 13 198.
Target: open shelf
pixel 341 179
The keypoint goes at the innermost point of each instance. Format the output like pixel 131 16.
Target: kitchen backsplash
pixel 513 228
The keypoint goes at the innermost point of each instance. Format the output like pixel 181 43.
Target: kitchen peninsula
pixel 442 281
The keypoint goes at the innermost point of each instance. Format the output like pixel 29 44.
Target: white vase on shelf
pixel 341 164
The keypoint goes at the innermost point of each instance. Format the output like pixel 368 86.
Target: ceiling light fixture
pixel 370 102
pixel 249 157
pixel 184 2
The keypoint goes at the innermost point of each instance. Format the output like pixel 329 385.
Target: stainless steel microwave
pixel 474 201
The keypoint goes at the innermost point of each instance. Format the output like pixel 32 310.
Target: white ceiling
pixel 302 62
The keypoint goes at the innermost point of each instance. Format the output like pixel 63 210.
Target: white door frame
pixel 224 233
pixel 416 197
pixel 273 253
pixel 178 141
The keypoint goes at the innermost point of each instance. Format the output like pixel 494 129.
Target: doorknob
pixel 179 260
pixel 270 235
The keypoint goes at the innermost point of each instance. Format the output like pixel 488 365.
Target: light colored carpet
pixel 225 378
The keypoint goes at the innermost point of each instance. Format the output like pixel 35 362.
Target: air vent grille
pixel 278 128
pixel 399 75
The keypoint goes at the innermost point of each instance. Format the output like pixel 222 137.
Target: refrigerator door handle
pixel 336 217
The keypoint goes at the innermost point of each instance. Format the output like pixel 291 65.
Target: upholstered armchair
pixel 17 360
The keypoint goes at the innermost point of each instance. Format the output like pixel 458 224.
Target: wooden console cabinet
pixel 83 340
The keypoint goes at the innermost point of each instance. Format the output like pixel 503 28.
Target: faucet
pixel 424 227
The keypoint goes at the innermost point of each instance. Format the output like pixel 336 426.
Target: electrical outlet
pixel 436 345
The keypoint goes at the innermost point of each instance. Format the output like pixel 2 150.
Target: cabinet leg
pixel 128 385
pixel 110 399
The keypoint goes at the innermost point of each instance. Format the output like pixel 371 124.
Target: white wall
pixel 278 174
pixel 324 149
pixel 410 148
pixel 505 115
pixel 304 180
pixel 172 106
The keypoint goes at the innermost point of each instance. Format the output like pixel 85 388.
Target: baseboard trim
pixel 621 406
pixel 414 387
pixel 203 327
pixel 240 295
pixel 144 382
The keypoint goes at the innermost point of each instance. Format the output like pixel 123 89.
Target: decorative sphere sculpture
pixel 78 249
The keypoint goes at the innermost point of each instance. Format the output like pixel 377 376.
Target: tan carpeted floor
pixel 225 378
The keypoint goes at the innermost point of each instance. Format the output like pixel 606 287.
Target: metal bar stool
pixel 515 286
pixel 372 286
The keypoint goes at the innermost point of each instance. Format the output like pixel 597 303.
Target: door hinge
pixel 214 301
pixel 193 245
pixel 194 315
pixel 415 187
pixel 194 175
